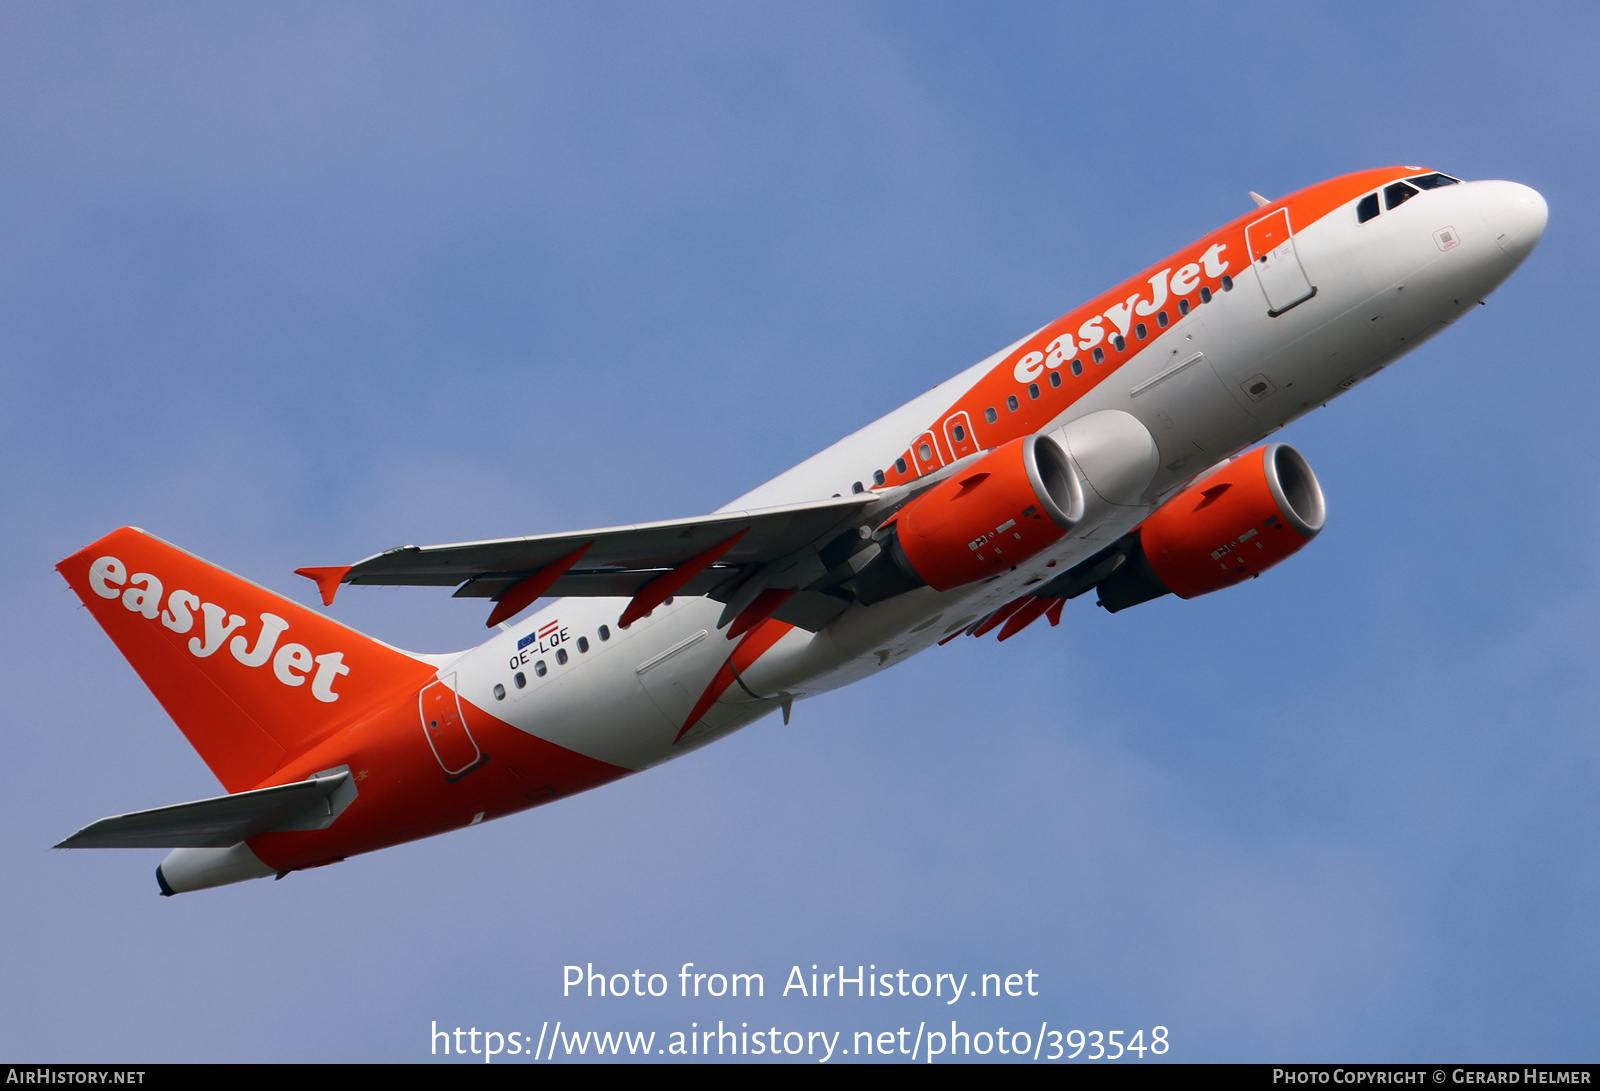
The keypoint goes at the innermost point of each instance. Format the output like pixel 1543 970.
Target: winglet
pixel 326 579
pixel 1261 202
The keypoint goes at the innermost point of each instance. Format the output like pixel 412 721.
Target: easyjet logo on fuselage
pixel 1094 340
pixel 292 663
pixel 1163 285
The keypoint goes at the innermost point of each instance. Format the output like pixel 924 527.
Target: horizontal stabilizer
pixel 221 821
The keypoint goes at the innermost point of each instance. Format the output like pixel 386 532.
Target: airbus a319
pixel 1117 450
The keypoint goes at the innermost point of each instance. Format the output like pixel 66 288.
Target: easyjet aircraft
pixel 1099 453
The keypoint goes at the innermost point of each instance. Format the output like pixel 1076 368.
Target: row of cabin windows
pixel 1117 340
pixel 1141 331
pixel 520 680
pixel 1399 193
pixel 1367 208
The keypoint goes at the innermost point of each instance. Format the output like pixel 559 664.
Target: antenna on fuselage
pixel 1261 202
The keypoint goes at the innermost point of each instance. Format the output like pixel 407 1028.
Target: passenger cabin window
pixel 1367 208
pixel 1033 391
pixel 899 465
pixel 540 669
pixel 1100 354
pixel 1434 181
pixel 1396 195
pixel 960 433
pixel 499 692
pixel 1117 342
pixel 521 679
pixel 990 415
pixel 561 656
pixel 1205 295
pixel 856 486
pixel 878 478
pixel 583 643
pixel 924 452
pixel 1141 331
pixel 1161 319
pixel 1077 367
pixel 1227 283
pixel 1011 402
pixel 1055 378
pixel 605 633
pixel 1183 306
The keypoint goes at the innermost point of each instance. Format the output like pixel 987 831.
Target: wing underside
pixel 223 820
pixel 731 556
pixel 792 562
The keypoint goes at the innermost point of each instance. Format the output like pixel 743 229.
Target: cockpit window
pixel 1434 181
pixel 1396 195
pixel 1367 208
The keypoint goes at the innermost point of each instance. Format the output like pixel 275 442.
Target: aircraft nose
pixel 1515 215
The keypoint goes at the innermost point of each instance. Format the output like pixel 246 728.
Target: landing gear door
pixel 446 729
pixel 1272 254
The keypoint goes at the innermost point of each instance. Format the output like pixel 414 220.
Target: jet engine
pixel 1229 526
pixel 986 518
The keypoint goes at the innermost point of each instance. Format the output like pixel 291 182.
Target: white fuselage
pixel 1382 287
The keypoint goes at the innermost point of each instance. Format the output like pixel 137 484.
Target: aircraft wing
pixel 722 555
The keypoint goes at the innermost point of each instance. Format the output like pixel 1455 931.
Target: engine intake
pixel 1005 508
pixel 1229 526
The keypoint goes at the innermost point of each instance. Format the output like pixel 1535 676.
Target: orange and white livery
pixel 1116 450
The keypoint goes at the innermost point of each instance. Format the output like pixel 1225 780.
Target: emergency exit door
pixel 446 729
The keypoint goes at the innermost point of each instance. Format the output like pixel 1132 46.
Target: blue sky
pixel 291 283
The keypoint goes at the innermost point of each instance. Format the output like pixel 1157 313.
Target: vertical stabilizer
pixel 250 677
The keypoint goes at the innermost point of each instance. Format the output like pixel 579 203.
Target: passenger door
pixel 1283 280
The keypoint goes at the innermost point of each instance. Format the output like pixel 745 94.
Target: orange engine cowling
pixel 1227 527
pixel 1004 508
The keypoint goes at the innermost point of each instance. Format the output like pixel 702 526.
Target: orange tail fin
pixel 250 677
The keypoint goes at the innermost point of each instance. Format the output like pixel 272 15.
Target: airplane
pixel 1118 449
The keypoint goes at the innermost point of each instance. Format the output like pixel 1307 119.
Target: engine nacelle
pixel 1010 505
pixel 1225 528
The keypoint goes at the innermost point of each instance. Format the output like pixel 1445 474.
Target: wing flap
pixel 619 560
pixel 617 584
pixel 773 532
pixel 797 547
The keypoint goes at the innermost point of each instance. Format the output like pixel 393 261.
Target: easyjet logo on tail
pixel 292 663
